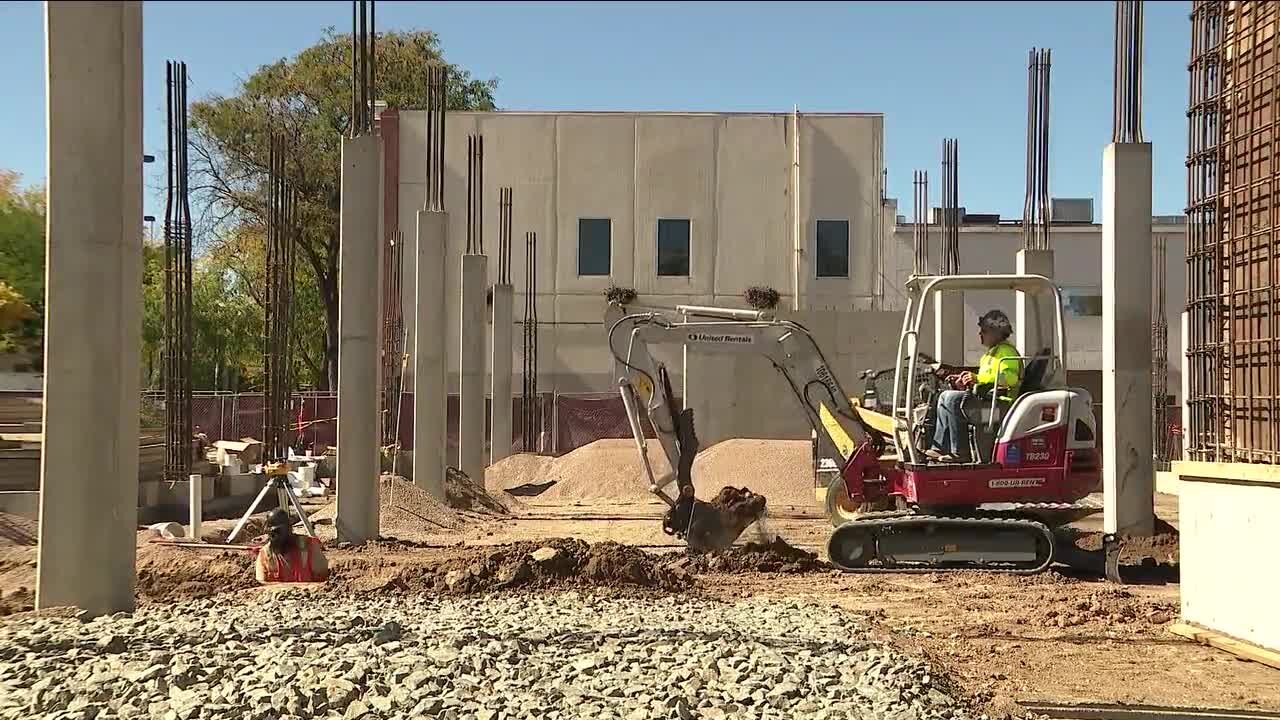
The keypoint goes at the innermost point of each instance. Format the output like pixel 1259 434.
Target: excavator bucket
pixel 706 525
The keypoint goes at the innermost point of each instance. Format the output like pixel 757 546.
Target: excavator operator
pixel 999 363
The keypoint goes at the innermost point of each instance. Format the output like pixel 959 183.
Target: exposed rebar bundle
pixel 277 355
pixel 1126 126
pixel 920 223
pixel 504 235
pixel 363 88
pixel 475 194
pixel 949 248
pixel 1035 209
pixel 177 282
pixel 437 79
pixel 1160 355
pixel 394 356
pixel 530 414
pixel 1207 231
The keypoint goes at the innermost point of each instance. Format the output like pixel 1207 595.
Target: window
pixel 673 247
pixel 1082 302
pixel 833 248
pixel 594 240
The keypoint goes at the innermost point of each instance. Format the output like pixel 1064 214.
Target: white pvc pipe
pixel 195 486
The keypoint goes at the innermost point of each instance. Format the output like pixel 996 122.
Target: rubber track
pixel 986 519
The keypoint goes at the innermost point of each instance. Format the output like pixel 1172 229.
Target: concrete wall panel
pixel 675 177
pixel 595 177
pixel 753 203
pixel 520 154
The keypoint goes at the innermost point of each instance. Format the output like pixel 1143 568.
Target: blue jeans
pixel 952 432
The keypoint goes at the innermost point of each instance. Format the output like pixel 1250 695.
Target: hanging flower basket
pixel 620 295
pixel 762 298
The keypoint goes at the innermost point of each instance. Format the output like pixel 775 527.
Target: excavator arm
pixel 646 390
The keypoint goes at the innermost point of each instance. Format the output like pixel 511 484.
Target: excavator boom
pixel 645 387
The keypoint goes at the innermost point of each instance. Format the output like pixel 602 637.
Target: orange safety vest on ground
pixel 304 561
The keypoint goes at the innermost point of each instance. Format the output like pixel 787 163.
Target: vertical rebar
pixel 920 224
pixel 436 98
pixel 1127 83
pixel 277 352
pixel 176 371
pixel 530 413
pixel 362 67
pixel 948 248
pixel 1036 211
pixel 504 235
pixel 475 194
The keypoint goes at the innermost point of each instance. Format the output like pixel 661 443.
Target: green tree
pixel 22 221
pixel 308 98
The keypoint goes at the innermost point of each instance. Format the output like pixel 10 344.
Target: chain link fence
pixel 567 421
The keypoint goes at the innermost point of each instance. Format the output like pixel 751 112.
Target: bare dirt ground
pixel 1056 636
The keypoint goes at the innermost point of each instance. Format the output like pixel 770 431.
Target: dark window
pixel 594 240
pixel 833 248
pixel 673 247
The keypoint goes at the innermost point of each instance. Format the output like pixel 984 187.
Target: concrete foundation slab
pixel 430 390
pixel 1128 473
pixel 471 367
pixel 500 385
pixel 1226 521
pixel 358 346
pixel 93 313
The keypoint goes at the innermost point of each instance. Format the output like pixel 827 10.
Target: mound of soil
pixel 606 471
pixel 1160 548
pixel 1110 606
pixel 780 470
pixel 556 563
pixel 17 530
pixel 463 493
pixel 20 600
pixel 767 557
pixel 522 475
pixel 171 575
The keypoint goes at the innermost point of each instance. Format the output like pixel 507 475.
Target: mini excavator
pixel 893 509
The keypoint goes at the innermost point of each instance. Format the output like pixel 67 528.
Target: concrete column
pixel 1033 322
pixel 949 327
pixel 430 386
pixel 93 306
pixel 195 504
pixel 1128 475
pixel 358 326
pixel 471 366
pixel 1185 377
pixel 500 384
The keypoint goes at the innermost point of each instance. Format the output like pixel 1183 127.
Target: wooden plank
pixel 1239 648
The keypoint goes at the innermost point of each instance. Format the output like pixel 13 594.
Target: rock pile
pixel 547 657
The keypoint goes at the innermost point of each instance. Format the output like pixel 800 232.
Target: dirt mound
pixel 522 475
pixel 463 493
pixel 17 530
pixel 168 574
pixel 1160 548
pixel 781 470
pixel 776 556
pixel 254 528
pixel 555 563
pixel 605 471
pixel 407 511
pixel 20 600
pixel 1110 606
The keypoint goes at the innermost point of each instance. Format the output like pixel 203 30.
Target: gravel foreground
pixel 566 655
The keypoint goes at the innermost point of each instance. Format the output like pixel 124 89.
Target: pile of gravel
pixel 780 470
pixel 551 656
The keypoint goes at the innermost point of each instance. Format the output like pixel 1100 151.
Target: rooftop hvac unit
pixel 935 215
pixel 1071 210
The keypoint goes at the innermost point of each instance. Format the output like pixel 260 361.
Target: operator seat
pixel 985 419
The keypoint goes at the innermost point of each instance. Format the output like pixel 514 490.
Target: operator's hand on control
pixel 965 380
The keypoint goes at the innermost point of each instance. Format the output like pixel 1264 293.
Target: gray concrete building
pixel 682 207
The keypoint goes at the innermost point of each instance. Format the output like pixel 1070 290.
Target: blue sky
pixel 945 69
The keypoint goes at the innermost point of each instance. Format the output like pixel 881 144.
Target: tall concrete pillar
pixel 1033 322
pixel 471 366
pixel 430 385
pixel 949 328
pixel 500 384
pixel 1127 472
pixel 358 329
pixel 93 306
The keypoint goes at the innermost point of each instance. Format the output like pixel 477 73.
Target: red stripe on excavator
pixel 860 464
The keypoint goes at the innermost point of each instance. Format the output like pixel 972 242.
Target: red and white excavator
pixel 893 509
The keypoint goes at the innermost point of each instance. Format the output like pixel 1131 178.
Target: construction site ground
pixel 1057 636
